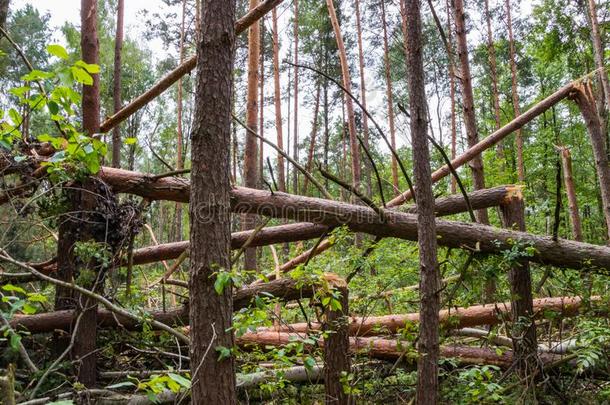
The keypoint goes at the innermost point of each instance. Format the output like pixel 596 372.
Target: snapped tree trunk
pixel 522 307
pixel 583 96
pixel 428 343
pixel 210 315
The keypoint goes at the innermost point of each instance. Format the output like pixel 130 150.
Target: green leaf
pixel 15 117
pixel 36 75
pixel 89 67
pixel 223 279
pixel 29 309
pixel 131 141
pixel 81 76
pixel 58 50
pixel 10 287
pixel 15 340
pixel 53 107
pixel 123 384
pixel 185 382
pixel 223 352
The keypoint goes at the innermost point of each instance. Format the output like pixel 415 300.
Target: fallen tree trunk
pixel 285 289
pixel 454 318
pixel 389 349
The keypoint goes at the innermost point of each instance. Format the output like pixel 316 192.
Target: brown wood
pixel 515 93
pixel 522 308
pixel 470 122
pixel 277 101
pixel 210 314
pixel 428 339
pixel 598 52
pixel 295 82
pixel 347 83
pixel 172 77
pixel 452 95
pixel 568 181
pixel 583 96
pixel 388 349
pixel 4 6
pixel 493 68
pixel 312 137
pixel 250 167
pixel 179 132
pixel 336 349
pixel 453 318
pixel 116 92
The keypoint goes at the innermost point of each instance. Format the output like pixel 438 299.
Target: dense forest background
pixel 289 87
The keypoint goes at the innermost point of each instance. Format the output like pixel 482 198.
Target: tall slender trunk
pixel 116 94
pixel 179 132
pixel 261 103
pixel 515 93
pixel 251 151
pixel 277 101
pixel 452 95
pixel 583 95
pixel 365 119
pixel 312 138
pixel 388 80
pixel 491 50
pixel 326 129
pixel 428 344
pixel 295 132
pixel 476 164
pixel 347 83
pixel 213 378
pixel 568 179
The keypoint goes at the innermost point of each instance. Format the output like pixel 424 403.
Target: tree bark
pixel 4 6
pixel 515 94
pixel 452 318
pixel 452 96
pixel 568 179
pixel 347 83
pixel 251 151
pixel 476 163
pixel 336 349
pixel 365 118
pixel 295 131
pixel 116 94
pixel 493 68
pixel 598 53
pixel 281 170
pixel 583 96
pixel 179 133
pixel 428 342
pixel 213 380
pixel 522 308
pixel 389 96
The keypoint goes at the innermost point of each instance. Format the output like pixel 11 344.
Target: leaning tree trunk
pixel 583 95
pixel 476 164
pixel 598 52
pixel 515 94
pixel 347 83
pixel 428 344
pixel 251 149
pixel 213 379
pixel 277 101
pixel 116 94
pixel 388 81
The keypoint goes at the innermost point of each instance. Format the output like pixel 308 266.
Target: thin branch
pixel 22 351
